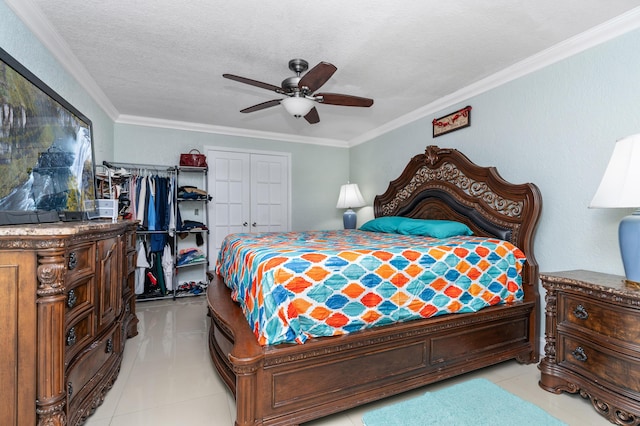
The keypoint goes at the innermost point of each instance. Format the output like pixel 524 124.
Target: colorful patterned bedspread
pixel 297 285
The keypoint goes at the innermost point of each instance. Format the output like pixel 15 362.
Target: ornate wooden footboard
pixel 291 384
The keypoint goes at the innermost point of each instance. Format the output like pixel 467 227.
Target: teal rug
pixel 475 402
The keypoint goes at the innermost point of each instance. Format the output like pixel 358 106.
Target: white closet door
pixel 269 193
pixel 230 187
pixel 250 194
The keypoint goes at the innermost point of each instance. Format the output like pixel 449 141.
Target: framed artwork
pixel 46 150
pixel 455 121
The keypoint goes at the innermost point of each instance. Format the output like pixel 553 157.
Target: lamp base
pixel 629 238
pixel 349 219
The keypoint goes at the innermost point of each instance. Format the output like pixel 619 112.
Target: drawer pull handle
pixel 71 299
pixel 109 347
pixel 69 389
pixel 71 336
pixel 580 312
pixel 73 261
pixel 578 353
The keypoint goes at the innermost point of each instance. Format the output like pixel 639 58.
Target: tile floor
pixel 167 378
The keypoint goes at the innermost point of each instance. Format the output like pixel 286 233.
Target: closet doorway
pixel 251 193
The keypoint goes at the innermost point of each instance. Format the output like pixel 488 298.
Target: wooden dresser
pixel 593 342
pixel 66 308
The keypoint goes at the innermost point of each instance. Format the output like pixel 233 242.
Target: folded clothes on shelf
pixel 192 192
pixel 192 225
pixel 190 255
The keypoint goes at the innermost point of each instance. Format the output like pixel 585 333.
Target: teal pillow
pixel 423 227
pixel 388 224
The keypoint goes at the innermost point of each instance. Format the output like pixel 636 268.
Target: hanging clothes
pixel 167 267
pixel 151 205
pixel 142 195
pixel 132 198
pixel 160 274
pixel 158 212
pixel 171 223
pixel 142 264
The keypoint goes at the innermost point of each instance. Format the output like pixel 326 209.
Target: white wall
pixel 556 128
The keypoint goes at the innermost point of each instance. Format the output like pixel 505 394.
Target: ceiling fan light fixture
pixel 297 106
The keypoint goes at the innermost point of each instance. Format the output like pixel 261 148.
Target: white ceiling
pixel 161 61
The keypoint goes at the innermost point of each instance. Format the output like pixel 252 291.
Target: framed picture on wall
pixel 455 121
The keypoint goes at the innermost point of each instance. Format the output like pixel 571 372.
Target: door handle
pixel 244 223
pixel 254 224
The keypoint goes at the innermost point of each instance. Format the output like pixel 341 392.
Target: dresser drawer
pixel 97 360
pixel 80 297
pixel 79 333
pixel 609 368
pixel 80 261
pixel 623 323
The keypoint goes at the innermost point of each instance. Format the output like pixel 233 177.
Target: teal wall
pixel 555 127
pixel 316 171
pixel 19 42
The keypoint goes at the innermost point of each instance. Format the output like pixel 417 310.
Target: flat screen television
pixel 46 151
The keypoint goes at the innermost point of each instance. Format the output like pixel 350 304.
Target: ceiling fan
pixel 300 91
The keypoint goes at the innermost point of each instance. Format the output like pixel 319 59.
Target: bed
pixel 292 383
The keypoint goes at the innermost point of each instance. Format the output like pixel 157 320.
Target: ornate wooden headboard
pixel 444 184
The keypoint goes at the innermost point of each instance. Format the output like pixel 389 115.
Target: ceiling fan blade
pixel 254 83
pixel 344 100
pixel 263 105
pixel 312 116
pixel 317 76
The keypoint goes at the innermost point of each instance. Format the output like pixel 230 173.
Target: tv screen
pixel 46 151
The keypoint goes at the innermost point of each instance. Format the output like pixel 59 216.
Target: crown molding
pixel 40 26
pixel 595 36
pixel 222 130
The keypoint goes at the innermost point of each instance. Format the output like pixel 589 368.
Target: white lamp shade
pixel 350 196
pixel 297 106
pixel 620 185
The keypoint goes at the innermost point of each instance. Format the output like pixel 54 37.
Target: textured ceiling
pixel 164 59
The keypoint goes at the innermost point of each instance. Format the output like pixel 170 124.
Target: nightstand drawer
pixel 589 360
pixel 622 323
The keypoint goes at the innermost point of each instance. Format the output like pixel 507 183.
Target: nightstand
pixel 593 341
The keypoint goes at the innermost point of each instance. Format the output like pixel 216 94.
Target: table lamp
pixel 350 197
pixel 620 188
